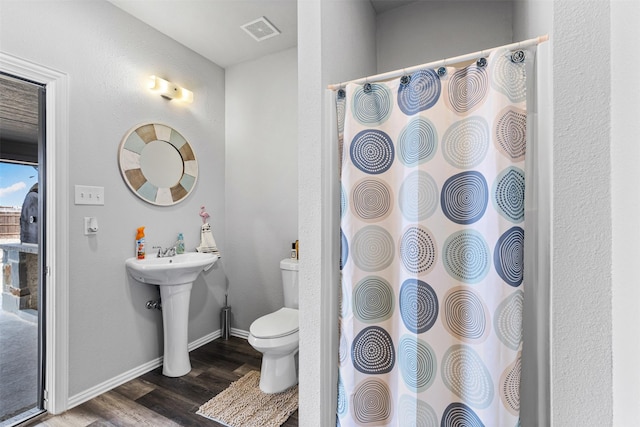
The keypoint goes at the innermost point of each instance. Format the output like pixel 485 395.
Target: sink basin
pixel 175 275
pixel 175 270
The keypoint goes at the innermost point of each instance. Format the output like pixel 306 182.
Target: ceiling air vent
pixel 260 29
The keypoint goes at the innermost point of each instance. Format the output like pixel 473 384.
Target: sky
pixel 15 182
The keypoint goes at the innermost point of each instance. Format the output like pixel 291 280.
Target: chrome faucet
pixel 169 252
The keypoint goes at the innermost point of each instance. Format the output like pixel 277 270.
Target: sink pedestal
pixel 175 319
pixel 175 276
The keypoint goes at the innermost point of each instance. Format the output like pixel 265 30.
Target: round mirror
pixel 158 164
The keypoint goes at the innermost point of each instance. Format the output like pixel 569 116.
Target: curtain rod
pixel 442 62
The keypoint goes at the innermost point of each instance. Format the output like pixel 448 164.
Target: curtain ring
pixel 366 87
pixel 482 61
pixel 405 79
pixel 341 92
pixel 517 56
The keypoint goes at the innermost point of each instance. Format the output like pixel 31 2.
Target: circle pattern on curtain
pixel 508 256
pixel 418 305
pixel 507 320
pixel 418 142
pixel 417 363
pixel 372 151
pixel 422 92
pixel 410 410
pixel 371 199
pixel 510 132
pixel 418 250
pixel 374 106
pixel 373 300
pixel 508 194
pixel 466 256
pixel 464 373
pixel 372 351
pixel 464 197
pixel 372 248
pixel 371 402
pixel 466 316
pixel 467 89
pixel 458 415
pixel 344 249
pixel 510 386
pixel 465 143
pixel 509 78
pixel 418 198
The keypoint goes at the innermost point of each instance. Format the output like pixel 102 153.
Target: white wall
pixel 427 31
pixel 261 179
pixel 336 42
pixel 581 323
pixel 625 151
pixel 108 55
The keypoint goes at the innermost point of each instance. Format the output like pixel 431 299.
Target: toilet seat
pixel 276 325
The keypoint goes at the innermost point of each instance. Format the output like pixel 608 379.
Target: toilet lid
pixel 275 325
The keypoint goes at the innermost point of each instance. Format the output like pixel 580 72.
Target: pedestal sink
pixel 175 276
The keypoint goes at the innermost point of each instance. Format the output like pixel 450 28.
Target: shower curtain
pixel 432 240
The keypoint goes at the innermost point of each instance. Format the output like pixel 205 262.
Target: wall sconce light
pixel 170 90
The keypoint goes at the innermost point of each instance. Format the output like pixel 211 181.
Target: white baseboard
pixel 113 383
pixel 240 333
pixel 137 371
pixel 204 340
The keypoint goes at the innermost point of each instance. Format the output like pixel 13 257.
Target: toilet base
pixel 278 373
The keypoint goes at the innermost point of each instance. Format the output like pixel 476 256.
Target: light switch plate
pixel 87 195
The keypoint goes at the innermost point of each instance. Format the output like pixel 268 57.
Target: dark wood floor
pixel 155 400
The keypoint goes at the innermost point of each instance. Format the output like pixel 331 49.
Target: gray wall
pixel 625 207
pixel 427 31
pixel 108 56
pixel 532 18
pixel 261 179
pixel 581 364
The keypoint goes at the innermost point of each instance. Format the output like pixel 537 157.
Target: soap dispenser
pixel 180 244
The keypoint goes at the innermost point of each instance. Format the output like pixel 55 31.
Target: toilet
pixel 276 336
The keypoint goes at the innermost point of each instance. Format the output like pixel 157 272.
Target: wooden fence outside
pixel 9 224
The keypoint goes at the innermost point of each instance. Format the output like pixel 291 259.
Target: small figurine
pixel 204 215
pixel 207 242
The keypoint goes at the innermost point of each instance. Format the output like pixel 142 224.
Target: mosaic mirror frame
pixel 145 177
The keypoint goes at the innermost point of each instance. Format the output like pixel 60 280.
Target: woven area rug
pixel 242 404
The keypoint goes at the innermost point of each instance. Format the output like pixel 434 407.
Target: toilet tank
pixel 289 269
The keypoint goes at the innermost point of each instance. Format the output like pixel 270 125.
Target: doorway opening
pixel 22 216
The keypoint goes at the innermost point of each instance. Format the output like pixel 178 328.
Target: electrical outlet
pixel 86 195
